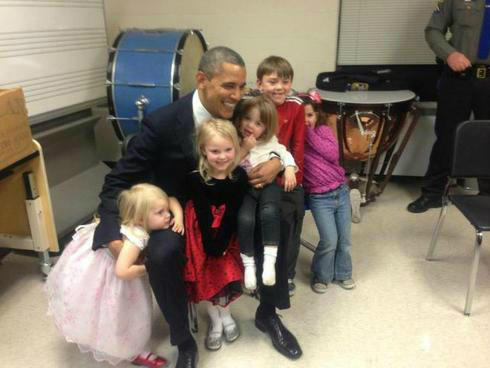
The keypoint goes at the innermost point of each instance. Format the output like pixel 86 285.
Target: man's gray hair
pixel 212 60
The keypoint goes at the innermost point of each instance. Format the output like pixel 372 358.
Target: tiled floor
pixel 405 311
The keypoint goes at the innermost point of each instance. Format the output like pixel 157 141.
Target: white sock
pixel 214 316
pixel 225 315
pixel 269 267
pixel 249 277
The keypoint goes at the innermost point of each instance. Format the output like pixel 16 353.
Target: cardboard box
pixel 15 132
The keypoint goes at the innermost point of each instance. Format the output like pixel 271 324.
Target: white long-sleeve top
pixel 264 151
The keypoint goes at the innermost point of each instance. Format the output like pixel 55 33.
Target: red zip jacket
pixel 291 115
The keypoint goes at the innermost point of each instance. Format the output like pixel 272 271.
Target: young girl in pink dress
pixel 102 304
pixel 213 272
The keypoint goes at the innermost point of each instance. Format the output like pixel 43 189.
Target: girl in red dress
pixel 213 272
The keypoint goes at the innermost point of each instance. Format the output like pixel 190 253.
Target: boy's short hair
pixel 275 64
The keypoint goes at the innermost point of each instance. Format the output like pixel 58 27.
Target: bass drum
pixel 149 69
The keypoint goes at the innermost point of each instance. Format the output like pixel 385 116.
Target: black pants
pixel 458 97
pixel 265 205
pixel 291 222
pixel 297 200
pixel 165 264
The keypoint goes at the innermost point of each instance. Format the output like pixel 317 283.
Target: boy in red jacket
pixel 274 79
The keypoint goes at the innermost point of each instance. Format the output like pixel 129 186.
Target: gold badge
pixel 481 72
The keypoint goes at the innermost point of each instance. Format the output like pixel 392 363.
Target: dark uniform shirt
pixel 463 18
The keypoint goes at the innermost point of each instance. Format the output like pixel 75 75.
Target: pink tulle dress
pixel 104 315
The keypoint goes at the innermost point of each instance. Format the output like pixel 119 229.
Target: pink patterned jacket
pixel 322 172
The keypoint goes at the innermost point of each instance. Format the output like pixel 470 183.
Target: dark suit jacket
pixel 162 153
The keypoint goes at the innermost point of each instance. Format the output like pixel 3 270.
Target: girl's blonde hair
pixel 208 130
pixel 267 113
pixel 136 202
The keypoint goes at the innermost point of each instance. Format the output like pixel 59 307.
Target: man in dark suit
pixel 164 153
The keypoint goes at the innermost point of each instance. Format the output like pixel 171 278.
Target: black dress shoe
pixel 187 359
pixel 282 339
pixel 423 203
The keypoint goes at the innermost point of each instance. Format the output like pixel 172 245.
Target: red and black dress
pixel 214 269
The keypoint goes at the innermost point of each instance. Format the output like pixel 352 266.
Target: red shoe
pixel 150 360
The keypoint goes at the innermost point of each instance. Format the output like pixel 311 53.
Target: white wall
pixel 302 31
pixel 56 51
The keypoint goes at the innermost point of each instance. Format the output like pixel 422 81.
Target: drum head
pixel 155 67
pixel 359 145
pixel 193 48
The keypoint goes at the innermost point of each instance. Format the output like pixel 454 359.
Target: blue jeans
pixel 332 214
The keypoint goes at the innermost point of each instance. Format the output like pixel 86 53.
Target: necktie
pixel 484 47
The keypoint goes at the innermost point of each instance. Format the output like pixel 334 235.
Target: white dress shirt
pixel 200 113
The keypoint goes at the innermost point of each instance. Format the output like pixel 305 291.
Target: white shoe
pixel 231 331
pixel 355 202
pixel 214 338
pixel 347 284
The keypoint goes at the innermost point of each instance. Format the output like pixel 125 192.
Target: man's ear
pixel 200 79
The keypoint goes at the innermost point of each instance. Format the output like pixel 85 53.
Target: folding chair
pixel 471 159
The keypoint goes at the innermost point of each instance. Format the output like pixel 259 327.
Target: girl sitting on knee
pixel 256 121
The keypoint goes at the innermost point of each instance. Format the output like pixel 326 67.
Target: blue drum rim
pixel 110 88
pixel 174 73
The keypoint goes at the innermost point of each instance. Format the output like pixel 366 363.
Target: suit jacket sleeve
pixel 202 207
pixel 233 201
pixel 150 153
pixel 133 168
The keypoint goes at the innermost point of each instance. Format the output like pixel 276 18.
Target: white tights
pixel 220 316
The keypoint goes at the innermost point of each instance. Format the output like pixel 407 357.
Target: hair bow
pixel 313 95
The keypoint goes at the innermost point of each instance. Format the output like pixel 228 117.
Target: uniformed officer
pixel 464 86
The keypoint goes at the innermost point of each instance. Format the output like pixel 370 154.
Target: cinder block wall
pixel 305 32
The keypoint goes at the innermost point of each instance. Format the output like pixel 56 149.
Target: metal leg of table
pixel 45 262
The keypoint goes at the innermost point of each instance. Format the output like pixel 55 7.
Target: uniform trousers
pixel 458 96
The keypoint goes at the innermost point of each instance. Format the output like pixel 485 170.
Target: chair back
pixel 471 155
